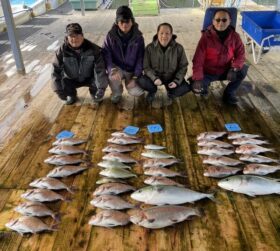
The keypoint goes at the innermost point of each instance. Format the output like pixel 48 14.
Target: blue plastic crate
pixel 261 24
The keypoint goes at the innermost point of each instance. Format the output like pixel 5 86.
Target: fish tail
pixel 56 217
pixel 72 189
pixel 67 199
pixel 200 212
pixel 54 227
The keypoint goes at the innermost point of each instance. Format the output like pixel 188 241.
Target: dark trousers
pixel 148 85
pixel 69 86
pixel 231 88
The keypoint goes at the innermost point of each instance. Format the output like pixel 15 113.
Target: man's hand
pixel 232 74
pixel 158 82
pixel 115 75
pixel 196 87
pixel 172 85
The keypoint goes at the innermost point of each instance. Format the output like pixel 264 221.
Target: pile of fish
pixel 247 148
pixel 116 170
pixel 45 189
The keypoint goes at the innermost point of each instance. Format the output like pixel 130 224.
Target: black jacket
pixel 79 66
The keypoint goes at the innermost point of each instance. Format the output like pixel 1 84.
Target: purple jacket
pixel 132 60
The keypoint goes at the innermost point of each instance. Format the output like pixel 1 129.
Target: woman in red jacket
pixel 220 55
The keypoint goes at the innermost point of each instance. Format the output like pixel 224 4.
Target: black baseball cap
pixel 73 29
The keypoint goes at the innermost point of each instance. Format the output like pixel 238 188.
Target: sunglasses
pixel 218 20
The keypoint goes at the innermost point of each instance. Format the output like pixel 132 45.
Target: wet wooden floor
pixel 31 116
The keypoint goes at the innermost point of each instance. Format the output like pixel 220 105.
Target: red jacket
pixel 214 57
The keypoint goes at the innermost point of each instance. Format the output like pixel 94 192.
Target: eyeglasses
pixel 221 20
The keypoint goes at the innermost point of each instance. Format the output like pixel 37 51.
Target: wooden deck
pixel 31 115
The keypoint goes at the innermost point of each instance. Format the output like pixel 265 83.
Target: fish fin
pixel 182 175
pixel 174 220
pixel 72 189
pixel 150 220
pixel 54 227
pixel 251 194
pixel 67 199
pixel 57 217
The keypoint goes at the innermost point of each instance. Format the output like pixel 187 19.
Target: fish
pixel 214 151
pixel 238 135
pixel 60 160
pixel 32 208
pixel 50 183
pixel 64 171
pixel 154 147
pixel 69 142
pixel 109 180
pixel 251 185
pixel 162 216
pixel 117 173
pixel 107 201
pixel 257 159
pixel 157 154
pixel 157 180
pixel 113 189
pixel 260 169
pixel 245 141
pixel 109 218
pixel 161 171
pixel 217 143
pixel 114 164
pixel 124 140
pixel 29 224
pixel 221 161
pixel 66 150
pixel 252 149
pixel 161 195
pixel 42 195
pixel 159 162
pixel 119 157
pixel 123 134
pixel 220 171
pixel 118 148
pixel 210 135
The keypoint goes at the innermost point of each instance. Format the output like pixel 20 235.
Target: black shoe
pixel 230 99
pixel 70 100
pixel 62 96
pixel 98 97
pixel 150 97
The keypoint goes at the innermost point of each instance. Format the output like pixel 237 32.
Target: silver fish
pixel 157 154
pixel 66 150
pixel 220 171
pixel 161 195
pixel 257 159
pixel 238 135
pixel 109 180
pixel 252 149
pixel 113 189
pixel 244 141
pixel 117 173
pixel 221 161
pixel 113 163
pixel 50 183
pixel 107 201
pixel 159 162
pixel 161 171
pixel 42 195
pixel 60 160
pixel 260 169
pixel 64 171
pixel 31 208
pixel 162 216
pixel 157 180
pixel 119 157
pixel 214 151
pixel 250 185
pixel 118 148
pixel 123 134
pixel 210 135
pixel 28 224
pixel 154 147
pixel 218 143
pixel 69 142
pixel 124 140
pixel 109 218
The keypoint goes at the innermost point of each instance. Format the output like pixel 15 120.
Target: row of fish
pixel 43 192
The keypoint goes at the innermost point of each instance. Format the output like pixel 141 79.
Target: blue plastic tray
pixel 64 134
pixel 154 128
pixel 132 130
pixel 232 127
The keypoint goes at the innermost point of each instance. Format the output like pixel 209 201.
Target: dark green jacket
pixel 168 66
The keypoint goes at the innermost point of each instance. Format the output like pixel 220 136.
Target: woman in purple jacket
pixel 123 52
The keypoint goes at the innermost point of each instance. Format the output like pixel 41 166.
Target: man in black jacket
pixel 78 62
